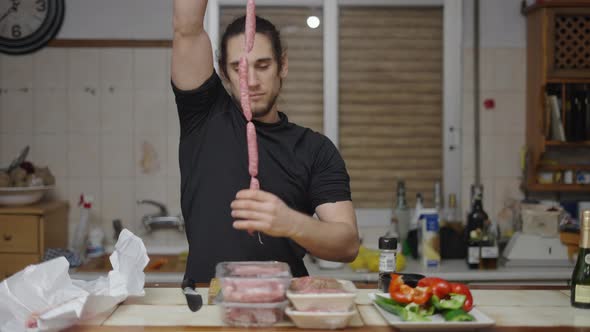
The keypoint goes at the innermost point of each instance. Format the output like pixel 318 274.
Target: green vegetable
pixel 457 315
pixel 428 311
pixel 404 313
pixel 455 301
pixel 420 309
pixel 412 307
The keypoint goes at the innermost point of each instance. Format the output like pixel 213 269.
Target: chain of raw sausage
pixel 250 25
pixel 250 31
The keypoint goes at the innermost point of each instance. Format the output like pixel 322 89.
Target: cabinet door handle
pixel 7 237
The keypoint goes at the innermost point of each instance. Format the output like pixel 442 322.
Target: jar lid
pixel 387 242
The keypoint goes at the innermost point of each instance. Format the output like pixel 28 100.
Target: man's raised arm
pixel 192 58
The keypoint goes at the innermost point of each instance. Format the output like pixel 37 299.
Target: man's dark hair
pixel 264 27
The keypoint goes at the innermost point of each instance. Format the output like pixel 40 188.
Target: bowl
pixel 22 195
pixel 410 279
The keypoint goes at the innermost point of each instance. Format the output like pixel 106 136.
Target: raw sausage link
pixel 250 25
pixel 254 184
pixel 252 149
pixel 250 30
pixel 244 95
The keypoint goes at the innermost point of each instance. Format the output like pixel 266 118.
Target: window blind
pixel 390 64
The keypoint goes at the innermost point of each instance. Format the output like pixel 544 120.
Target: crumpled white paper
pixel 42 297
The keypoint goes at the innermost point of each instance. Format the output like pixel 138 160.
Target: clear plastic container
pixel 252 314
pixel 319 319
pixel 255 269
pixel 253 282
pixel 341 301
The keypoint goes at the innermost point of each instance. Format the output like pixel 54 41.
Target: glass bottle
pixel 437 197
pixel 476 220
pixel 489 247
pixel 580 286
pixel 401 213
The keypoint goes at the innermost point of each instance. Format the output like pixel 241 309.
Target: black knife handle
pixel 188 283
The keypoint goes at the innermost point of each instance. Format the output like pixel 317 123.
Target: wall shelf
pixel 555 67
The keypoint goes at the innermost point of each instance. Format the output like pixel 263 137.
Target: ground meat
pixel 253 290
pixel 252 149
pixel 316 285
pixel 250 25
pixel 252 316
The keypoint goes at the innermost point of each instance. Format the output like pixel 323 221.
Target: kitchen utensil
pixel 194 300
pixel 18 160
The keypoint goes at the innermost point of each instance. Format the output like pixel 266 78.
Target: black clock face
pixel 27 25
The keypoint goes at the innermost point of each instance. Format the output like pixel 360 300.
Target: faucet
pixel 160 219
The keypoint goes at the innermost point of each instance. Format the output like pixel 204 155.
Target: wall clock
pixel 28 25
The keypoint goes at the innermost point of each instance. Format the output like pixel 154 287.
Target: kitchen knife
pixel 194 300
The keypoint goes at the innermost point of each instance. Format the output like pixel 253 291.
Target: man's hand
pixel 257 210
pixel 264 212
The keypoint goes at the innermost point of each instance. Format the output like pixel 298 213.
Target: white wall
pixel 502 78
pixel 501 24
pixel 22 113
pixel 117 19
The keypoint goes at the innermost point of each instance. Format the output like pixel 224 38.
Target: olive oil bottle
pixel 580 297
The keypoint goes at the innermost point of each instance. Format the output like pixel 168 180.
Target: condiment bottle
pixel 388 250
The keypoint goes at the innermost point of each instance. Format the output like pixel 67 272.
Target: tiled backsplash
pixel 88 112
pixel 502 129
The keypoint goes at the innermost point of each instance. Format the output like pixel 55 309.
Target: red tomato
pixel 458 288
pixel 404 294
pixel 422 295
pixel 440 287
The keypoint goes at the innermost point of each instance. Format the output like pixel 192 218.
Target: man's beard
pixel 265 110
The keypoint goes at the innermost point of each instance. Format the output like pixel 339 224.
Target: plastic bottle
pixel 78 245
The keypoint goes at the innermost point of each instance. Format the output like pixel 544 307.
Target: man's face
pixel 264 80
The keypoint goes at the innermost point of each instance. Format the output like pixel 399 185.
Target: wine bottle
pixel 580 288
pixel 476 220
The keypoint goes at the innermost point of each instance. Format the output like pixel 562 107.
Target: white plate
pixel 437 323
pixel 22 195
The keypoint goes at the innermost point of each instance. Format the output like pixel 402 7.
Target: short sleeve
pixel 195 105
pixel 330 182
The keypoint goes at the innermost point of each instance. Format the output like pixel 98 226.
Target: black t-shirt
pixel 300 166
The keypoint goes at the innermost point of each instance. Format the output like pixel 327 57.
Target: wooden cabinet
pixel 558 64
pixel 25 233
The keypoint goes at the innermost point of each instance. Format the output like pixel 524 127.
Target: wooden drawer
pixel 19 234
pixel 12 263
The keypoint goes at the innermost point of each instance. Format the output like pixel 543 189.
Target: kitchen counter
pixel 454 270
pixel 514 309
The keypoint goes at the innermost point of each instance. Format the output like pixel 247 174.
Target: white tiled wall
pixel 502 129
pixel 86 113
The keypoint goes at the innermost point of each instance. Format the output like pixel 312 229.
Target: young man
pixel 300 171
